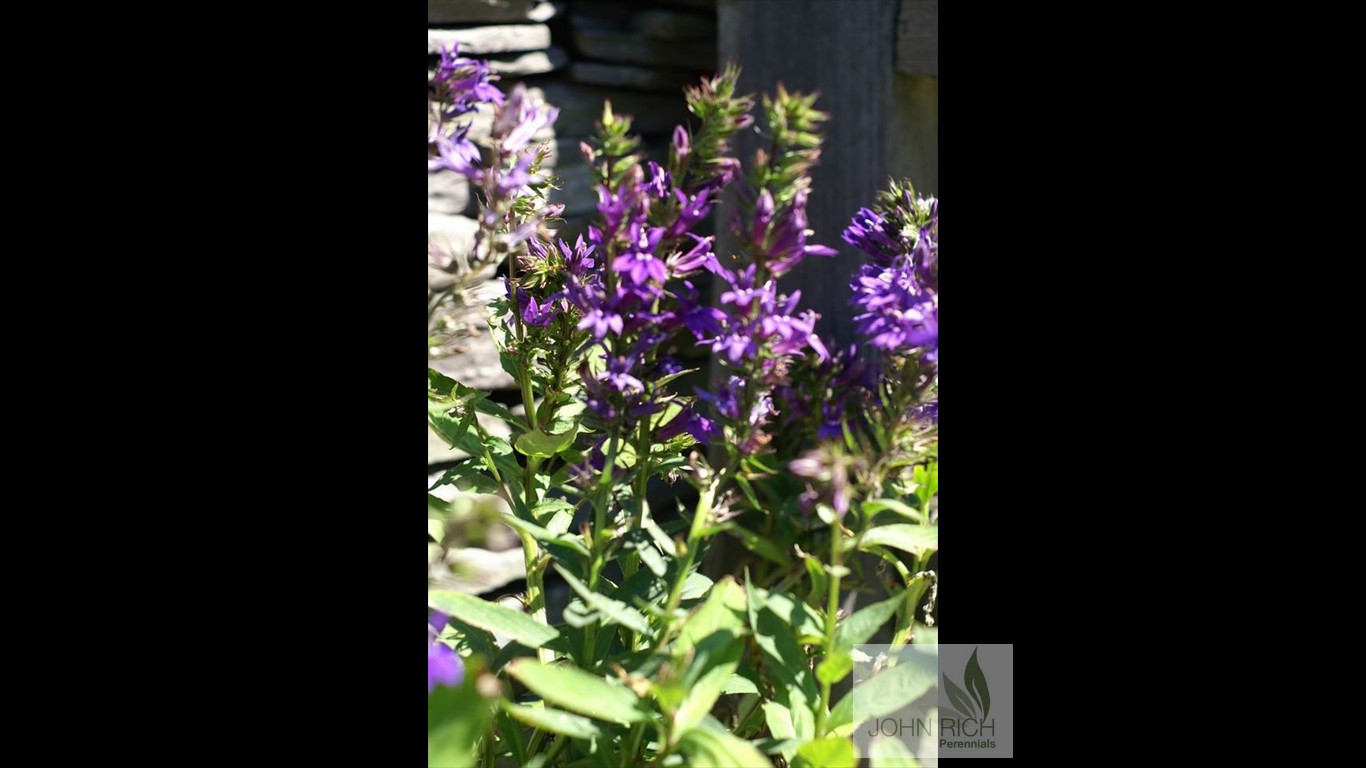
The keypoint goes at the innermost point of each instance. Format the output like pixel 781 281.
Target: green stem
pixel 636 734
pixel 598 542
pixel 701 517
pixel 831 617
pixel 489 759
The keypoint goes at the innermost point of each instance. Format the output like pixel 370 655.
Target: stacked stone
pixel 573 54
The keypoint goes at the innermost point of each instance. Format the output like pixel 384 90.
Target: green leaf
pixel 695 586
pixel 787 661
pixel 834 667
pixel 926 482
pixel 800 617
pixel 456 717
pixel 666 545
pixel 553 720
pixel 724 609
pixel 467 476
pixel 926 635
pixel 779 721
pixel 820 584
pixel 545 535
pixel 740 684
pixel 663 380
pixel 546 510
pixel 894 688
pixel 908 538
pixel 706 748
pixel 873 506
pixel 748 490
pixel 714 662
pixel 841 716
pixel 539 444
pixel 887 752
pixel 493 617
pixel 484 405
pixel 645 549
pixel 440 383
pixel 450 427
pixel 757 544
pixel 437 508
pixel 865 622
pixel 578 691
pixel 615 610
pixel 825 753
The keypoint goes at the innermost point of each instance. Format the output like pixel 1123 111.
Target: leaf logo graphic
pixel 977 694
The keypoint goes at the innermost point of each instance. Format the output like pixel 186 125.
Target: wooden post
pixel 913 149
pixel 843 49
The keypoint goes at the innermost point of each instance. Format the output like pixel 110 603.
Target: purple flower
pixel 618 375
pixel 660 181
pixel 457 153
pixel 725 400
pixel 704 321
pixel 699 257
pixel 616 207
pixel 600 322
pixel 763 217
pixel 639 263
pixel 691 209
pixel 742 292
pixel 680 144
pixel 444 666
pixel 519 120
pixel 874 235
pixel 898 315
pixel 537 314
pixel 787 246
pixel 736 346
pixel 437 621
pixel 701 428
pixel 640 267
pixel 831 427
pixel 810 465
pixel 512 181
pixel 577 260
pixel 465 83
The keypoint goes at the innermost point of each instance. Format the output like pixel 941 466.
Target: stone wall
pixel 575 54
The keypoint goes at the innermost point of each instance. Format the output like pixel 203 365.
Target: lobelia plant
pixel 813 451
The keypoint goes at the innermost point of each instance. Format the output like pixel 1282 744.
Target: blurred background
pixel 875 64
